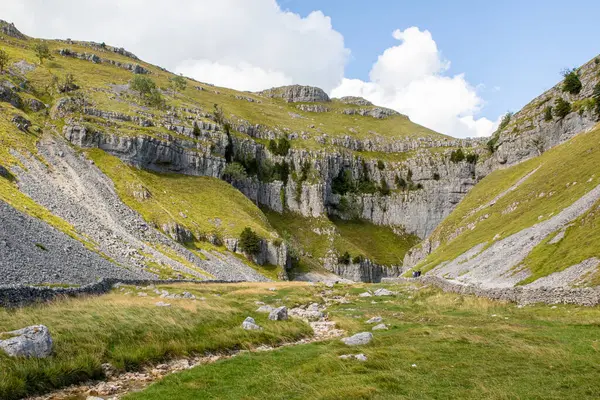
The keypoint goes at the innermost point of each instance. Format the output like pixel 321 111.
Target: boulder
pixel 365 294
pixel 21 123
pixel 188 295
pixel 359 339
pixel 250 325
pixel 35 105
pixel 8 95
pixel 32 342
pixel 380 327
pixel 279 314
pixel 375 320
pixel 384 292
pixel 264 309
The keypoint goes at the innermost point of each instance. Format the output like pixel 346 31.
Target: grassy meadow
pixel 438 345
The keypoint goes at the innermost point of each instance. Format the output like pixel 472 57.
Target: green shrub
pixel 156 99
pixel 196 130
pixel 436 176
pixel 492 144
pixel 400 182
pixel 281 172
pixel 380 165
pixel 384 189
pixel 343 183
pixel 505 120
pixel 571 83
pixel 142 84
pixel 596 96
pixel 42 52
pixel 344 258
pixel 281 147
pixel 250 242
pixel 548 114
pixel 561 108
pixel 4 60
pixel 234 172
pixel 358 259
pixel 457 156
pixel 178 83
pixel 366 186
pixel 472 158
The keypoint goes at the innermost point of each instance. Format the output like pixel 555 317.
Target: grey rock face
pixel 279 314
pixel 359 339
pixel 31 342
pixel 378 112
pixel 9 29
pixel 355 100
pixel 249 324
pixel 297 94
pixel 8 95
pixel 365 271
pixel 178 233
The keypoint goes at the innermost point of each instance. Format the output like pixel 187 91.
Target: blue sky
pixel 518 46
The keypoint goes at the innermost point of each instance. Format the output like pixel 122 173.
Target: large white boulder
pixel 32 342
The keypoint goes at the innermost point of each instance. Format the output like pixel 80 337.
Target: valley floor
pixel 437 345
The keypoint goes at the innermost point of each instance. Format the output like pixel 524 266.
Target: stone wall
pixel 520 295
pixel 19 295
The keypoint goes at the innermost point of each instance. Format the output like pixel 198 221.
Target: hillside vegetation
pixel 510 200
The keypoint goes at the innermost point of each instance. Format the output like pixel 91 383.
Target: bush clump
pixel 548 114
pixel 344 258
pixel 472 158
pixel 596 96
pixel 234 172
pixel 457 156
pixel 358 259
pixel 4 60
pixel 561 108
pixel 249 241
pixel 571 84
pixel 280 147
pixel 505 120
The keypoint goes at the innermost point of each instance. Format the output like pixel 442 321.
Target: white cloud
pixel 254 43
pixel 410 78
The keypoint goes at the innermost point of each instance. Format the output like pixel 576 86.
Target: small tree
pixel 178 83
pixel 196 130
pixel 272 146
pixel 400 182
pixel 457 156
pixel 548 114
pixel 561 108
pixel 380 165
pixel 505 120
pixel 384 189
pixel 4 60
pixel 344 258
pixel 142 84
pixel 472 158
pixel 250 242
pixel 358 259
pixel 234 172
pixel 283 147
pixel 42 51
pixel 596 96
pixel 571 84
pixel 156 99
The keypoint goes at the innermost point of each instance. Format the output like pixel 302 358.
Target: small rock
pixel 264 309
pixel 380 327
pixel 272 289
pixel 361 357
pixel 383 292
pixel 142 294
pixel 188 295
pixel 359 339
pixel 249 324
pixel 375 320
pixel 162 304
pixel 33 341
pixel 365 294
pixel 279 314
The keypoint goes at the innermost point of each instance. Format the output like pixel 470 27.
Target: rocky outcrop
pixel 355 100
pixel 271 253
pixel 96 59
pixel 8 95
pixel 31 342
pixel 365 271
pixel 376 112
pixel 297 94
pixel 9 29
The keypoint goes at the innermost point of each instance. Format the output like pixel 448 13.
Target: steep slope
pixel 290 150
pixel 534 223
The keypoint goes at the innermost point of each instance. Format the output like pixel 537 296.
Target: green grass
pixel 462 348
pixel 129 331
pixel 378 243
pixel 208 205
pixel 542 195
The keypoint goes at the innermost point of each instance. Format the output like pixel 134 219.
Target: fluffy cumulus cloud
pixel 411 78
pixel 247 45
pixel 254 45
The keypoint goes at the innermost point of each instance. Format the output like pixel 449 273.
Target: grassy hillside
pixel 317 237
pixel 438 345
pixel 203 205
pixel 553 181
